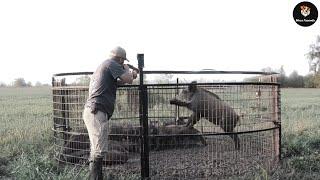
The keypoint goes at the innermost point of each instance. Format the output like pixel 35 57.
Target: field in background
pixel 26 137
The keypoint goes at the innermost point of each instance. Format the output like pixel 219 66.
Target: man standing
pixel 100 105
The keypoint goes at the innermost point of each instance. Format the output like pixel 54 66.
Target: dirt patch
pixel 218 159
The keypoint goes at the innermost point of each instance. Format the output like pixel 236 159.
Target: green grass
pixel 26 137
pixel 300 134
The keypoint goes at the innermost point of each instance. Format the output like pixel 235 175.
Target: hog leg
pixel 203 141
pixel 235 137
pixel 157 143
pixel 193 119
pixel 236 141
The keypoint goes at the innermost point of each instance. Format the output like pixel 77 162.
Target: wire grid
pixel 175 151
pixel 72 144
pixel 184 156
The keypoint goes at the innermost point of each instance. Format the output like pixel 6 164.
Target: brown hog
pixel 206 104
pixel 178 136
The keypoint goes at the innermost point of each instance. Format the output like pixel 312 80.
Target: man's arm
pixel 128 76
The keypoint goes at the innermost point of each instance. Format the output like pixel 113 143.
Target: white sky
pixel 39 38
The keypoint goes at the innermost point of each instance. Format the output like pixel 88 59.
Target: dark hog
pixel 129 132
pixel 178 121
pixel 130 135
pixel 178 135
pixel 205 104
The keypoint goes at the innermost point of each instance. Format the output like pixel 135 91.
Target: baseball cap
pixel 118 52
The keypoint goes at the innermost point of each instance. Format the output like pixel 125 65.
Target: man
pixel 100 105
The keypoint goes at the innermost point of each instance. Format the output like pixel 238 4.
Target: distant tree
pixel 295 80
pixel 19 82
pixel 314 56
pixel 312 81
pixel 38 84
pixel 309 81
pixel 29 84
pixel 164 78
pixel 282 79
pixel 83 80
pixel 317 80
pixel 281 76
pixel 267 69
pixel 2 84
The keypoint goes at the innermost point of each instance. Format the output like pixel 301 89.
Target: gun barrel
pixel 132 67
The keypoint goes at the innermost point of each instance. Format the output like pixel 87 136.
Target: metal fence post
pixel 177 107
pixel 276 118
pixel 143 115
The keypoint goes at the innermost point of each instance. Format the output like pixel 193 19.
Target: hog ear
pixel 193 86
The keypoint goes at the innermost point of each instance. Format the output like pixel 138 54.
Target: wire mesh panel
pixel 235 129
pixel 72 145
pixel 174 130
pixel 71 140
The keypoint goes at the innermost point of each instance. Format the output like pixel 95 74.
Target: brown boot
pixel 95 168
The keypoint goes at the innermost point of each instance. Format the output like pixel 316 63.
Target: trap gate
pixel 148 137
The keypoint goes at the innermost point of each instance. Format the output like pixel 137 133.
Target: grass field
pixel 26 136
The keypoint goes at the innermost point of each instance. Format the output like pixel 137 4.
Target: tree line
pixel 311 80
pixel 21 82
pixel 294 80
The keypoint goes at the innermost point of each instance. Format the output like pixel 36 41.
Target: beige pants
pixel 97 126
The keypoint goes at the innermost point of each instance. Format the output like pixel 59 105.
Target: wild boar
pixel 177 136
pixel 130 135
pixel 205 104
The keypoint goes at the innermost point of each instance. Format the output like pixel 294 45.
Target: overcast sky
pixel 39 38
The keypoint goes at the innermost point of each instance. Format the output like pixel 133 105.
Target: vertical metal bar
pixel 275 112
pixel 145 131
pixel 63 110
pixel 279 118
pixel 67 108
pixel 177 107
pixel 54 101
pixel 143 115
pixel 142 161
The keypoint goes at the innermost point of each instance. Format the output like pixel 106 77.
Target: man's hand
pixel 134 74
pixel 94 109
